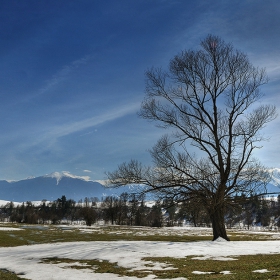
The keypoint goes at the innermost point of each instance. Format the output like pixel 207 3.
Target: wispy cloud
pixel 64 73
pixel 87 171
pixel 58 131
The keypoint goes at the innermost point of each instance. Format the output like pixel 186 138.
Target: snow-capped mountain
pixel 274 184
pixel 59 175
pixel 275 174
pixel 52 187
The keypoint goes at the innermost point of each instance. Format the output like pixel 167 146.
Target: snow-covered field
pixel 26 260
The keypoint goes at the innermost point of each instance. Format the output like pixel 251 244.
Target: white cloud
pixel 63 73
pixel 54 132
pixel 63 130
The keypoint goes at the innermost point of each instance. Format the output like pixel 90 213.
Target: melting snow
pixel 226 272
pixel 201 272
pixel 220 239
pixel 129 254
pixel 261 271
pixel 9 229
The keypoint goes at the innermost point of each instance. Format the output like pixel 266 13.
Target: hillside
pixel 51 187
pixel 54 185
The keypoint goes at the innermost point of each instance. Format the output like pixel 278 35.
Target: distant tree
pixel 53 215
pixel 155 217
pixel 141 212
pixel 44 212
pixel 170 208
pixel 94 200
pixel 189 211
pixel 234 213
pixel 277 211
pixel 87 201
pixel 121 208
pixel 15 215
pixel 209 100
pixel 132 208
pixel 9 210
pixel 30 214
pixel 109 209
pixel 250 208
pixel 89 215
pixel 264 212
pixel 63 208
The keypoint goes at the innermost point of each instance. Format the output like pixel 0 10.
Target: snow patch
pixel 226 272
pixel 201 272
pixel 261 270
pixel 128 254
pixel 220 239
pixel 59 175
pixel 9 229
pixel 221 258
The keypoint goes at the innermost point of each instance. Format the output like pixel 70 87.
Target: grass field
pixel 28 234
pixel 242 268
pixel 267 266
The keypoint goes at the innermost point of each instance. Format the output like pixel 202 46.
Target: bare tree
pixel 207 99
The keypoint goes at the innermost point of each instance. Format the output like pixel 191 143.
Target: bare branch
pixel 208 99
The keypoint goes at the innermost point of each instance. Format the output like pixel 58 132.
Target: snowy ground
pixel 26 260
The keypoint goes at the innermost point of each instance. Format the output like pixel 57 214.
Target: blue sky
pixel 72 75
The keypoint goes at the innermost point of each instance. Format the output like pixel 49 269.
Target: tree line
pixel 134 210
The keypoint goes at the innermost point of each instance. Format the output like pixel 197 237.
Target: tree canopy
pixel 208 101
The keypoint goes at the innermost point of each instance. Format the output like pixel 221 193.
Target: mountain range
pixel 52 186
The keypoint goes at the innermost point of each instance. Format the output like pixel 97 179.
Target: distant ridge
pixel 274 185
pixel 275 174
pixel 59 175
pixel 52 187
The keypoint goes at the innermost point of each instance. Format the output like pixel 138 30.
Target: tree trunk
pixel 218 223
